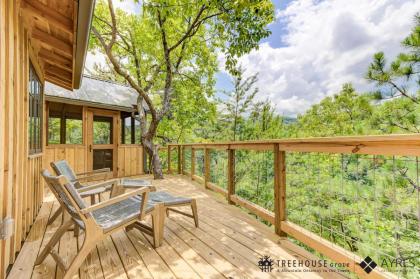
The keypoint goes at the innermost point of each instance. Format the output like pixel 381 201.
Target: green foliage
pixel 404 72
pixel 238 103
pixel 191 110
pixel 343 114
pixel 74 131
pixel 54 130
pixel 234 27
pixel 101 132
pixel 396 116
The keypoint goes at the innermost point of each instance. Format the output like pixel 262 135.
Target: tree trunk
pixel 153 153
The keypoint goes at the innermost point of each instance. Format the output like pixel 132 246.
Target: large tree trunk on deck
pixel 152 150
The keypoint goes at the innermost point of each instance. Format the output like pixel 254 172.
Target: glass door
pixel 102 139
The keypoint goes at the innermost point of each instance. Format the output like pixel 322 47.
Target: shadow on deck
pixel 228 244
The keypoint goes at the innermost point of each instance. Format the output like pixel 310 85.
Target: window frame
pixel 62 120
pixel 35 112
pixel 123 116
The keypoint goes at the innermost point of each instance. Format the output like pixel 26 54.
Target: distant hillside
pixel 289 120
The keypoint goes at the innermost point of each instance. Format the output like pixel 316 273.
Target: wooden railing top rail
pixel 405 145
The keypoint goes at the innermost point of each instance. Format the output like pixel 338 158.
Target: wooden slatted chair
pixel 62 167
pixel 100 220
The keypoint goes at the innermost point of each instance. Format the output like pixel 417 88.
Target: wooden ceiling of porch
pixel 52 27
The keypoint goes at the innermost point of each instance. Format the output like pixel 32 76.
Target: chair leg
pixel 158 224
pixel 88 244
pixel 55 216
pixel 194 212
pixel 54 239
pixel 76 230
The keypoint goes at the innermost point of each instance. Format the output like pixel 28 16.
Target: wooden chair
pixel 100 220
pixel 62 167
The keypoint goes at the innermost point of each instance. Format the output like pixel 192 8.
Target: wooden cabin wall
pixel 20 185
pixel 74 154
pixel 130 160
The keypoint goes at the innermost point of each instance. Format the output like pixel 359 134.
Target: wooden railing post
pixel 279 189
pixel 182 159
pixel 206 166
pixel 192 162
pixel 231 175
pixel 169 159
pixel 179 159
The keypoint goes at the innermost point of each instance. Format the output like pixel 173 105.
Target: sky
pixel 318 45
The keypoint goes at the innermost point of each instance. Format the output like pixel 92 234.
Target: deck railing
pixel 344 197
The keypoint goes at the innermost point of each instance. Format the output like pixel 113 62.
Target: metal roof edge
pixel 86 103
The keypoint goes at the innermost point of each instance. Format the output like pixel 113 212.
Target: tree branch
pixel 123 72
pixel 190 28
pixel 168 79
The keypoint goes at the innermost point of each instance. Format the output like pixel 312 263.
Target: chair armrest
pixel 100 184
pixel 93 176
pixel 114 200
pixel 129 186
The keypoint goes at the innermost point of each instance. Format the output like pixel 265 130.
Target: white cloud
pixel 129 6
pixel 92 59
pixel 327 44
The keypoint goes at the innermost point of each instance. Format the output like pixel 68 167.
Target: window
pixel 131 133
pixel 35 112
pixel 102 130
pixel 65 125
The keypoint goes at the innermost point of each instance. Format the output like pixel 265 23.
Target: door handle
pixel 90 147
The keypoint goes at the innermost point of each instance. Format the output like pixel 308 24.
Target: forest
pixel 368 205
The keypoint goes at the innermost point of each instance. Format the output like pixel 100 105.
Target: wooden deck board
pixel 228 244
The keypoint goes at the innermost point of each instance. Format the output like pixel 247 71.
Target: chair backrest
pixel 62 167
pixel 70 200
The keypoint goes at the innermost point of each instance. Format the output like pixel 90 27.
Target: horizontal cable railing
pixel 344 197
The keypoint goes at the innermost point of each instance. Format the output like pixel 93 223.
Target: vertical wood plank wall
pixel 74 154
pixel 21 189
pixel 130 160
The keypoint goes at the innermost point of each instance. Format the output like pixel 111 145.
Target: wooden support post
pixel 182 159
pixel 179 159
pixel 169 159
pixel 206 166
pixel 279 189
pixel 231 175
pixel 192 162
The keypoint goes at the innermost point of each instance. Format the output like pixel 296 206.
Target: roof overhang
pixel 84 20
pixel 59 35
pixel 86 103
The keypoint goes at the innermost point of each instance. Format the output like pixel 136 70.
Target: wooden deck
pixel 228 244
